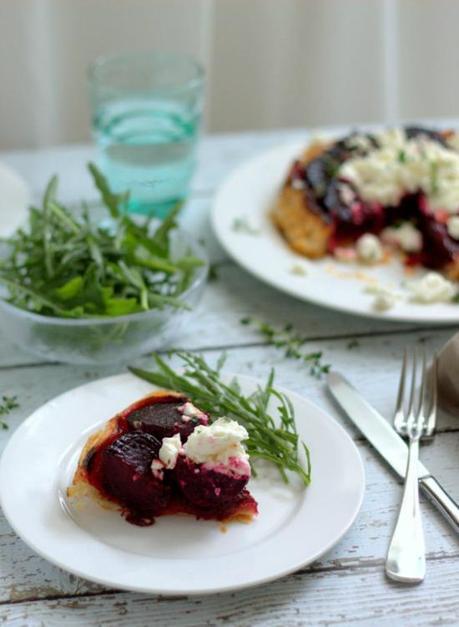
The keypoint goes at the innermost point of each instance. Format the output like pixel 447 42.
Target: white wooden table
pixel 348 584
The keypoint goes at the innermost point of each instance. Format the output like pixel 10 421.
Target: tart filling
pixel 163 456
pixel 400 185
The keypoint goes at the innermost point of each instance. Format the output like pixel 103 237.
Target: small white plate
pixel 14 200
pixel 249 194
pixel 177 555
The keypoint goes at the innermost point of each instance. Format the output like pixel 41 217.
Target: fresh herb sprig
pixel 7 404
pixel 65 266
pixel 292 343
pixel 203 385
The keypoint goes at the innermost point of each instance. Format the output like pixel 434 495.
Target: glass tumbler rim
pixel 103 61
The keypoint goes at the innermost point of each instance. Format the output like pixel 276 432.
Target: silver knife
pixel 388 443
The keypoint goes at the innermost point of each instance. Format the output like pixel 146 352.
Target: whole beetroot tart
pixel 401 186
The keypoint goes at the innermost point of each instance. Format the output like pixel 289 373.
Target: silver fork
pixel 405 559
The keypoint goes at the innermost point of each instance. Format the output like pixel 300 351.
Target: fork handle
pixel 441 499
pixel 405 559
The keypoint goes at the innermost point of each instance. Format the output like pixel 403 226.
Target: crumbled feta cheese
pixel 432 288
pixel 189 411
pixel 384 298
pixel 216 443
pixel 360 142
pixel 298 269
pixel 369 249
pixel 400 165
pixel 298 183
pixel 453 227
pixel 168 453
pixel 170 450
pixel 406 236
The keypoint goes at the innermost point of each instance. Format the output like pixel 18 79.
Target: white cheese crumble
pixel 453 227
pixel 400 165
pixel 298 184
pixel 432 288
pixel 170 450
pixel 384 298
pixel 368 248
pixel 298 270
pixel 189 411
pixel 168 453
pixel 406 236
pixel 217 443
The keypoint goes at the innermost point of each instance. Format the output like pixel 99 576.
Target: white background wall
pixel 270 63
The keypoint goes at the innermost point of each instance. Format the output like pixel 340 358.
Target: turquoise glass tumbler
pixel 146 114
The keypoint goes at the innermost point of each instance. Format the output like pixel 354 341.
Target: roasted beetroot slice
pixel 126 473
pixel 207 488
pixel 162 419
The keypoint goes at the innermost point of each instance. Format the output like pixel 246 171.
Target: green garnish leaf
pixel 113 202
pixel 70 289
pixel 7 404
pixel 271 440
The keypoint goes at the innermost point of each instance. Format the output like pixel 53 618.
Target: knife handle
pixel 441 499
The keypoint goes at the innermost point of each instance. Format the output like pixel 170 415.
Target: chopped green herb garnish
pixel 61 265
pixel 214 270
pixel 401 156
pixel 274 441
pixel 332 166
pixel 292 344
pixel 7 404
pixel 353 344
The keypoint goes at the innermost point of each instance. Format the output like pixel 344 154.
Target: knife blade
pixel 386 441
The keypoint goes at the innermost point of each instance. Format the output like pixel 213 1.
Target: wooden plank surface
pixel 347 585
pixel 353 595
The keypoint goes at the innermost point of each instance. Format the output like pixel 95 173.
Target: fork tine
pixel 423 391
pixel 399 418
pixel 431 417
pixel 411 410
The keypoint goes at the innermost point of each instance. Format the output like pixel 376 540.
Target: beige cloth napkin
pixel 448 375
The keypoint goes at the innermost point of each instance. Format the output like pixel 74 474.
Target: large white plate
pixel 249 193
pixel 177 555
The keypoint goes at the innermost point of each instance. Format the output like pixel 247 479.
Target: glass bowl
pixel 105 340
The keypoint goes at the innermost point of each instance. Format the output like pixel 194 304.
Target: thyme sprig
pixel 7 404
pixel 292 343
pixel 274 441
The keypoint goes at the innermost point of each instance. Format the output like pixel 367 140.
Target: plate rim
pixel 361 478
pixel 221 234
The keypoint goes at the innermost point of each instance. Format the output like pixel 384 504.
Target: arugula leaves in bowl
pixel 71 267
pixel 82 290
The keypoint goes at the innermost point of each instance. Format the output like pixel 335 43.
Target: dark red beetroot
pixel 162 419
pixel 125 473
pixel 206 488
